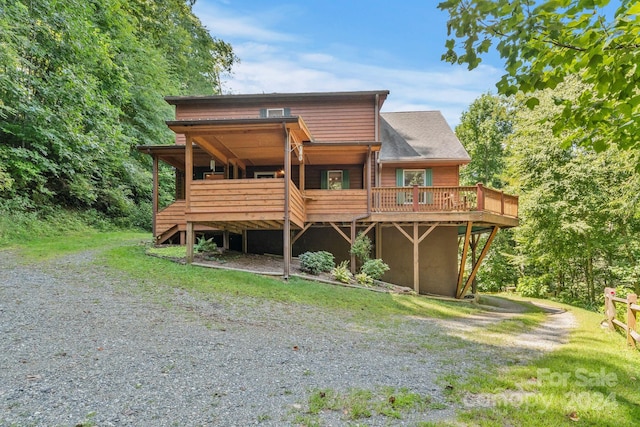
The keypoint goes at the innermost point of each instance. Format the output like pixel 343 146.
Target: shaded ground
pixel 273 265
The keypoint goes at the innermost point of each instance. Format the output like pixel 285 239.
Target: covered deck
pixel 234 203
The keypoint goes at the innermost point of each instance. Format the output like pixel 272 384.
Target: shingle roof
pixel 419 135
pixel 281 96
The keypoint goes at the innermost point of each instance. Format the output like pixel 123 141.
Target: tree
pixel 482 130
pixel 543 42
pixel 579 212
pixel 81 84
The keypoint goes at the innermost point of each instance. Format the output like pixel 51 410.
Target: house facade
pixel 285 173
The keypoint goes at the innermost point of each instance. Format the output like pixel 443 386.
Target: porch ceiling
pixel 256 142
pixel 252 141
pixel 174 155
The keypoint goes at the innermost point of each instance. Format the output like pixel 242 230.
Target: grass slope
pixel 591 381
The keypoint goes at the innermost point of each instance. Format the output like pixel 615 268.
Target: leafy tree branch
pixel 543 43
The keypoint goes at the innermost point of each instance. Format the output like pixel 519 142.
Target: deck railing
pixel 443 199
pixel 497 202
pixel 296 205
pixel 170 216
pixel 233 200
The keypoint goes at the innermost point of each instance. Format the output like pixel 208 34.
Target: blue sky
pixel 315 46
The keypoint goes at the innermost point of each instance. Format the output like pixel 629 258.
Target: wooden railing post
pixel 501 202
pixel 610 307
pixel 480 202
pixel 631 318
pixel 415 198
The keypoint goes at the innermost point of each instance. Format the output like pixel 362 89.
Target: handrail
pixel 443 199
pixel 610 300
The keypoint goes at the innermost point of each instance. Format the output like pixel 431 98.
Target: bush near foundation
pixel 374 268
pixel 342 273
pixel 316 262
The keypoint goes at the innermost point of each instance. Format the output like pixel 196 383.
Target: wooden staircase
pixel 170 221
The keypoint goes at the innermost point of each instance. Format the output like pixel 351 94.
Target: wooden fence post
pixel 610 307
pixel 631 318
pixel 480 201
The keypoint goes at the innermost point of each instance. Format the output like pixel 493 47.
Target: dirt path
pixel 547 336
pixel 550 334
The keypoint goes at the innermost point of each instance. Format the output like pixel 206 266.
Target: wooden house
pixel 285 173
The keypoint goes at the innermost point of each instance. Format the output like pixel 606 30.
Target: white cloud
pixel 273 61
pixel 411 90
pixel 227 25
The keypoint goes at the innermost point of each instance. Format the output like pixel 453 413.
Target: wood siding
pixel 443 176
pixel 327 121
pixel 312 174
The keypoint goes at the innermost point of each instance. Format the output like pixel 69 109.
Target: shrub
pixel 316 262
pixel 341 273
pixel 364 279
pixel 361 247
pixel 374 268
pixel 534 287
pixel 205 245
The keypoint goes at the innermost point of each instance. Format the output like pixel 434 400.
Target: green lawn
pixel 594 380
pixel 132 259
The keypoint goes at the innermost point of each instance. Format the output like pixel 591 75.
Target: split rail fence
pixel 610 300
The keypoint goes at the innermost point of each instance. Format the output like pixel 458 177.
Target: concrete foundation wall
pixel 438 259
pixel 314 239
pixel 438 253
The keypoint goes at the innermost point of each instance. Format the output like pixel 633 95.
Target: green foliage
pixel 599 386
pixel 498 270
pixel 579 209
pixel 374 268
pixel 361 247
pixel 579 212
pixel 482 130
pixel 364 279
pixel 341 272
pixel 204 245
pixel 82 84
pixel 316 262
pixel 18 226
pixel 535 287
pixel 543 43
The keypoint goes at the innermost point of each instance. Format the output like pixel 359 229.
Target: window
pixel 334 180
pixel 260 175
pixel 411 177
pixel 275 112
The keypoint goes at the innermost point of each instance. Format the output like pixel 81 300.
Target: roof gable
pixel 419 135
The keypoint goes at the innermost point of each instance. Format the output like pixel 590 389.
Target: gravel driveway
pixel 80 344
